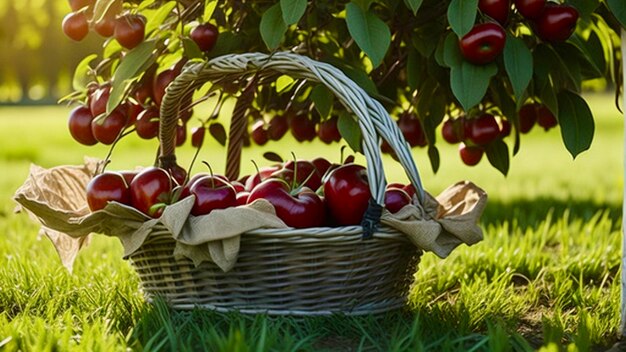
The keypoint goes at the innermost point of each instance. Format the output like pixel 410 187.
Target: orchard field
pixel 545 277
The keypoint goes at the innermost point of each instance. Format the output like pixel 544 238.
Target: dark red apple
pixel 396 199
pixel 212 193
pixel 347 194
pixel 303 209
pixel 80 125
pixel 151 190
pixel 107 187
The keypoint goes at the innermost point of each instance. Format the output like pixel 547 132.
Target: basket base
pixel 380 308
pixel 346 276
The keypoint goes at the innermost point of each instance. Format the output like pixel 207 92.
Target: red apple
pixel 347 194
pixel 328 131
pixel 107 187
pixel 147 124
pixel 412 130
pixel 396 199
pixel 556 23
pixel 470 155
pixel 80 125
pixel 300 210
pixel 205 36
pixel 483 129
pixel 483 44
pixel 302 128
pixel 212 193
pixel 527 117
pixel 260 176
pixel 277 127
pixel 151 190
pixel 107 131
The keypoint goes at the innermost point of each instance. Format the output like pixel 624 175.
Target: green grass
pixel 545 277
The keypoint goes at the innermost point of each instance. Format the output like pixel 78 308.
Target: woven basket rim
pixel 314 233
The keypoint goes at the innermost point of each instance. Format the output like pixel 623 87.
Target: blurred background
pixel 37 60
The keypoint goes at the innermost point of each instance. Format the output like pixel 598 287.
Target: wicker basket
pixel 315 271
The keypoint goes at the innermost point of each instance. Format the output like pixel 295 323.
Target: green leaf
pixel 226 43
pixel 145 4
pixel 273 27
pixel 350 131
pixel 271 156
pixel 591 52
pixel 209 8
pixel 435 159
pixel 452 56
pixel 498 155
pixel 548 62
pixel 135 62
pixel 595 51
pixel 413 69
pixel 323 99
pixel 571 66
pixel 364 4
pixel 413 5
pixel 518 62
pixel 370 33
pixel 283 82
pixel 422 37
pixel 430 106
pixel 547 94
pixel 439 52
pixel 218 132
pixel 508 108
pixel 470 82
pixel 156 18
pixel 81 73
pixel 618 8
pixel 576 122
pixel 192 51
pixel 292 10
pixel 462 15
pixel 102 7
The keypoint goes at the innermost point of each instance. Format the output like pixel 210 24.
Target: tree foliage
pixel 405 53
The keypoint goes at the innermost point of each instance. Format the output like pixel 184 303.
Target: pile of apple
pixel 304 193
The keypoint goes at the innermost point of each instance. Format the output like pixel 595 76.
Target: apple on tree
pixel 130 30
pixel 483 44
pixel 496 9
pixel 205 36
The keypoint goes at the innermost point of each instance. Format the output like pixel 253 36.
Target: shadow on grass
pixel 530 213
pixel 162 328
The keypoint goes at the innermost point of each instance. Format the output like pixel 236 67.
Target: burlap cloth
pixel 56 198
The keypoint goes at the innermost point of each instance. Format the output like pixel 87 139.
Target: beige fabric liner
pixel 56 198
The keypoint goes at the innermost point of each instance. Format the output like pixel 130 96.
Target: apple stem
pixel 341 151
pixel 193 160
pixel 295 171
pixel 256 167
pixel 123 133
pixel 218 107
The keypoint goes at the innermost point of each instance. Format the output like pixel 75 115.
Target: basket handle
pixel 373 119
